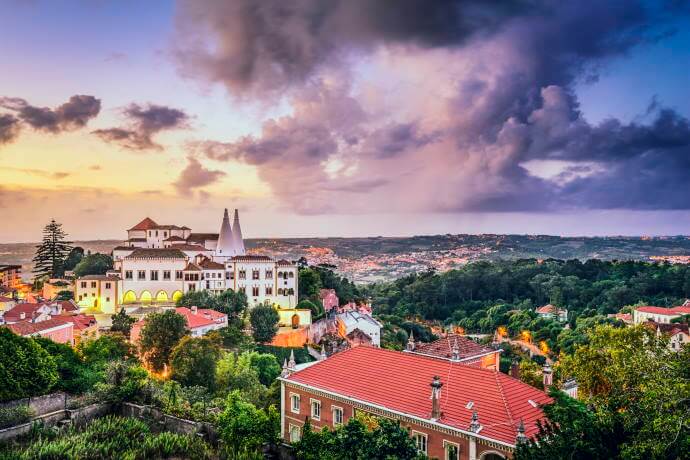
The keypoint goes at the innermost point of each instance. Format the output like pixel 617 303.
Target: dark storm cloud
pixel 9 128
pixel 143 124
pixel 502 76
pixel 70 116
pixel 273 43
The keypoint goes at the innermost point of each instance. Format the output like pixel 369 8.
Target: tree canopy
pixel 26 369
pixel 159 335
pixel 93 264
pixel 264 321
pixel 193 362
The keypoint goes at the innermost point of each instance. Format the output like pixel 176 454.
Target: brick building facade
pixel 482 412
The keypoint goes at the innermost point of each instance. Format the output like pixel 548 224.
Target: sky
pixel 345 117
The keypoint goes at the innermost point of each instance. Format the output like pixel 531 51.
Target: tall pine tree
pixel 51 253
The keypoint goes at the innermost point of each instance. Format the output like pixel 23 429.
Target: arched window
pixel 129 297
pixel 145 297
pixel 492 455
pixel 162 297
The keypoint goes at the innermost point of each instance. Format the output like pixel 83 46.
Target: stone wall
pixel 40 405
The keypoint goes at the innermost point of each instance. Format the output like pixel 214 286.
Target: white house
pixel 659 314
pixel 350 321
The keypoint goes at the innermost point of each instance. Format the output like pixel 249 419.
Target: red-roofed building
pixel 199 321
pixel 659 314
pixel 57 329
pixel 83 327
pixel 459 349
pixel 678 334
pixel 479 413
pixel 329 299
pixel 552 312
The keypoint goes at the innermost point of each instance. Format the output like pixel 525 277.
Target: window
pixel 227 275
pixel 452 450
pixel 128 275
pixel 178 274
pixel 294 403
pixel 208 284
pixel 107 299
pixel 269 274
pixel 269 290
pixel 83 284
pixel 280 291
pixel 316 409
pixel 80 297
pixel 420 441
pixel 154 275
pixel 156 232
pixel 141 275
pixel 290 291
pixel 294 433
pixel 255 274
pixel 255 291
pixel 337 416
pixel 190 288
pixel 107 285
pixel 165 234
pixel 93 285
pixel 291 275
pixel 242 275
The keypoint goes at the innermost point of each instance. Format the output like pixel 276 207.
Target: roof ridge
pixel 503 397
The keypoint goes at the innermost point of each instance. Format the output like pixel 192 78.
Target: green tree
pixel 64 295
pixel 264 321
pixel 26 369
pixel 316 309
pixel 159 335
pixel 244 427
pixel 122 323
pixel 193 362
pixel 235 373
pixel 266 366
pixel 309 283
pixel 94 264
pixel 74 376
pixel 108 347
pixel 73 258
pixel 51 253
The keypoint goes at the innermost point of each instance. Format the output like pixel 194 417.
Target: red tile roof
pixel 15 314
pixel 443 348
pixel 251 258
pixel 189 247
pixel 548 309
pixel 6 299
pixel 682 310
pixel 156 253
pixel 25 328
pixel 203 317
pixel 669 328
pixel 146 224
pixel 208 264
pixel 400 381
pixel 81 322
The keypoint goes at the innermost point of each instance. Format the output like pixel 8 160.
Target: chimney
pixel 194 309
pixel 547 373
pixel 22 315
pixel 323 354
pixel 436 398
pixel 286 371
pixel 456 351
pixel 475 426
pixel 515 369
pixel 521 433
pixel 410 342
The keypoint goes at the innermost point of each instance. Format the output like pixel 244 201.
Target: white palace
pixel 159 263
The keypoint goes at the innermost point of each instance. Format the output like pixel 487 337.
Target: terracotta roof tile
pixel 443 348
pixel 682 310
pixel 400 382
pixel 146 224
pixel 25 328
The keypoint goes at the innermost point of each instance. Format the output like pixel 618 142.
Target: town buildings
pixel 157 264
pixel 659 314
pixel 58 321
pixel 457 348
pixel 199 322
pixel 453 411
pixel 11 277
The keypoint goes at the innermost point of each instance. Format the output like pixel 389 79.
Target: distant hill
pixel 366 259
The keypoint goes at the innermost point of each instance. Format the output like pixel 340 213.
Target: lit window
pixel 420 441
pixel 315 409
pixel 107 299
pixel 294 433
pixel 337 416
pixel 294 403
pixel 452 450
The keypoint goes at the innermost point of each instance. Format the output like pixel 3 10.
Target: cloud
pixel 262 46
pixel 194 176
pixel 39 172
pixel 72 115
pixel 439 121
pixel 143 124
pixel 9 128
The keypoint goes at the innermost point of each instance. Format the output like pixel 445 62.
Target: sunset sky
pixel 345 117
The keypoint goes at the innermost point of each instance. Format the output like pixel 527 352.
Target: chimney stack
pixel 515 369
pixel 456 351
pixel 547 373
pixel 194 309
pixel 475 426
pixel 410 342
pixel 521 433
pixel 436 398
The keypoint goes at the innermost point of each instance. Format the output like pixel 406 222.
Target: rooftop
pixel 25 328
pixel 146 224
pixel 682 310
pixel 443 347
pixel 157 253
pixel 548 309
pixel 202 317
pixel 400 381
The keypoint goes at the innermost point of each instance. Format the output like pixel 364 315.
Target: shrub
pixel 15 416
pixel 26 369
